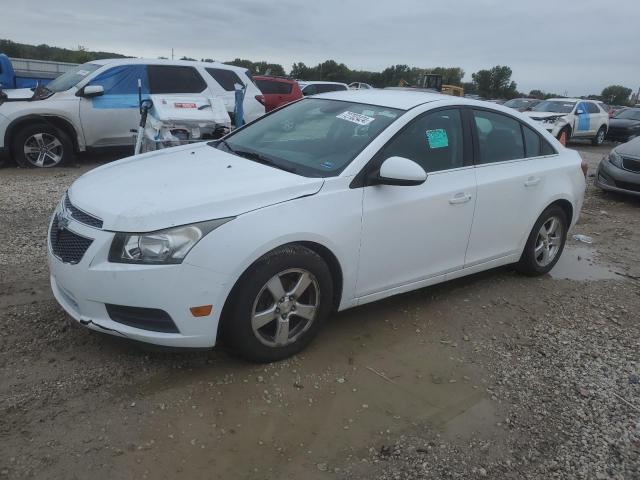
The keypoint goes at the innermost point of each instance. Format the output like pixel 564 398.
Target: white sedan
pixel 258 237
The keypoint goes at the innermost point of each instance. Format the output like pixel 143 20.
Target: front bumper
pixel 614 179
pixel 84 289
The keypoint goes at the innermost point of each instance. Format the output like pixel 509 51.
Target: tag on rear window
pixel 356 118
pixel 437 138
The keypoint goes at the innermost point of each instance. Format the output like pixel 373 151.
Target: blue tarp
pixel 121 86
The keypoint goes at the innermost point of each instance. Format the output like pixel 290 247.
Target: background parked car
pixel 522 104
pixel 95 105
pixel 572 117
pixel 359 86
pixel 620 170
pixel 277 91
pixel 625 125
pixel 314 87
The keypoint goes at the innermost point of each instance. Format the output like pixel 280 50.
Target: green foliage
pixel 616 95
pixel 495 83
pixel 45 52
pixel 259 68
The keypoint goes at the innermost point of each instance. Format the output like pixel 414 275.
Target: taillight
pixel 585 167
pixel 260 98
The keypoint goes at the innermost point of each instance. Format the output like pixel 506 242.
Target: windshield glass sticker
pixel 437 138
pixel 83 73
pixel 356 118
pixel 327 164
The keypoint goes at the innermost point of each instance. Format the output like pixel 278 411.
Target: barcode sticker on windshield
pixel 356 118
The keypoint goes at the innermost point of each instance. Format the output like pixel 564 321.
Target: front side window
pixel 314 137
pixel 310 90
pixel 72 77
pixel 434 141
pixel 499 137
pixel 122 80
pixel 592 108
pixel 175 79
pixel 226 78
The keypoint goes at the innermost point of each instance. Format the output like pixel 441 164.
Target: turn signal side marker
pixel 201 311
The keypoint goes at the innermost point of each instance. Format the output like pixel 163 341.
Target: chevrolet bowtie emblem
pixel 63 220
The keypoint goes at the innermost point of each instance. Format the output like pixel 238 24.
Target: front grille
pixel 632 187
pixel 152 319
pixel 66 245
pixel 81 216
pixel 631 164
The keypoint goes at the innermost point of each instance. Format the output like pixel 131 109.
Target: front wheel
pixel 545 243
pixel 279 304
pixel 41 146
pixel 600 136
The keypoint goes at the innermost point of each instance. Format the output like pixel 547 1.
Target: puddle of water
pixel 579 263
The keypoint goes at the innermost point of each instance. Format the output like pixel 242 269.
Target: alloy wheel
pixel 43 150
pixel 548 241
pixel 285 308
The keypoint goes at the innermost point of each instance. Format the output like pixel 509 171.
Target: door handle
pixel 459 198
pixel 532 181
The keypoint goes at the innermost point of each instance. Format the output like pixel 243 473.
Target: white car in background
pixel 572 118
pixel 259 236
pixel 316 86
pixel 95 105
pixel 359 86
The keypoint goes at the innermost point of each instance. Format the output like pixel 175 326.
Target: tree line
pixel 488 83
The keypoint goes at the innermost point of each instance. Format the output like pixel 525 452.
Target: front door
pixel 108 120
pixel 411 233
pixel 582 123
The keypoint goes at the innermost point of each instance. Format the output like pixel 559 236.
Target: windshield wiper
pixel 256 157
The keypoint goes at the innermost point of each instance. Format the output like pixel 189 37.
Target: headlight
pixel 615 159
pixel 161 247
pixel 552 120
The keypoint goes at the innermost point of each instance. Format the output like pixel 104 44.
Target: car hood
pixel 19 93
pixel 542 115
pixel 629 149
pixel 183 185
pixel 623 122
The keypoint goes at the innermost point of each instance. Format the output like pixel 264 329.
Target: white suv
pixel 572 117
pixel 95 105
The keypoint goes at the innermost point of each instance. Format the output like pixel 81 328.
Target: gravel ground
pixel 491 376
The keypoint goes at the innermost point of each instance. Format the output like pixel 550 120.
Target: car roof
pixel 568 100
pixel 400 99
pixel 273 78
pixel 315 82
pixel 164 61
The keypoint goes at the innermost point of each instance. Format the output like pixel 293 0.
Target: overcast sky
pixel 573 46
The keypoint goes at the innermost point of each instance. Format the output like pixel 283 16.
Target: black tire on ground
pixel 529 264
pixel 57 148
pixel 237 330
pixel 600 136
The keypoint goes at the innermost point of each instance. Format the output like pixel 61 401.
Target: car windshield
pixel 554 106
pixel 313 137
pixel 518 103
pixel 72 77
pixel 629 114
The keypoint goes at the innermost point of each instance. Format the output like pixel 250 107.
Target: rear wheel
pixel 279 304
pixel 41 146
pixel 600 136
pixel 545 243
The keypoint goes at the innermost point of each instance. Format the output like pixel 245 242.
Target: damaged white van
pixel 95 105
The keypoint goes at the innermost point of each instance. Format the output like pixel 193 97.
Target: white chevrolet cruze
pixel 258 237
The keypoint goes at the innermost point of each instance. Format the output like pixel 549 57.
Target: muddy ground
pixel 491 376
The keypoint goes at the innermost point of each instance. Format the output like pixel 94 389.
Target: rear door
pixel 412 233
pixel 597 117
pixel 511 168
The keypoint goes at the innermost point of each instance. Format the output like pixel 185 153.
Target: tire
pixel 50 146
pixel 255 328
pixel 566 131
pixel 600 136
pixel 533 261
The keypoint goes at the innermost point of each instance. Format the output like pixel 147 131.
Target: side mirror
pixel 401 171
pixel 90 91
pixel 579 112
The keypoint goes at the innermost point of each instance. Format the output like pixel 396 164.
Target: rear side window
pixel 175 79
pixel 274 87
pixel 532 142
pixel 499 137
pixel 226 78
pixel 593 108
pixel 329 87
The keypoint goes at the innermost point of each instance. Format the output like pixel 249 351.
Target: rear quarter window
pixel 226 78
pixel 274 87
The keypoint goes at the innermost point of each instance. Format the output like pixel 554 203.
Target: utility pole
pixel 172 54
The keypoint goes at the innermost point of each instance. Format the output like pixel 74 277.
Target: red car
pixel 277 90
